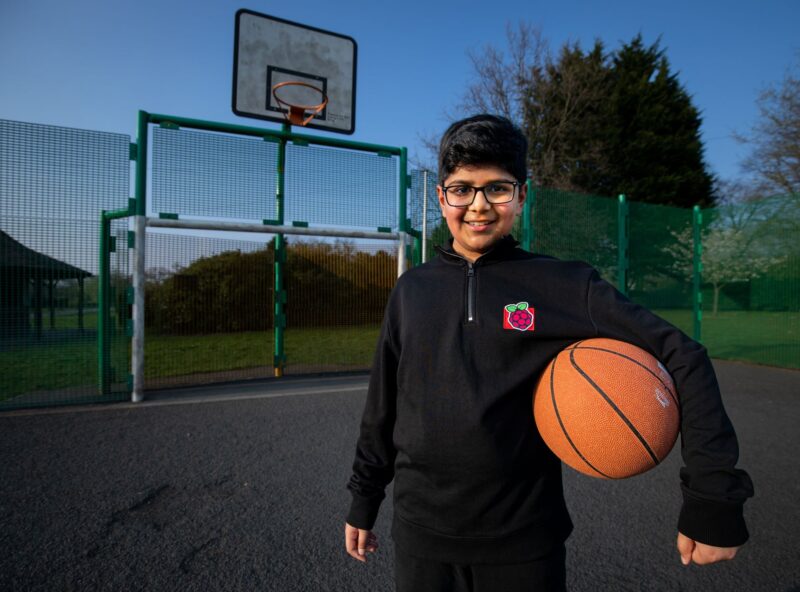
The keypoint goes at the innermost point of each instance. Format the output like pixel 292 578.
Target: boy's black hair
pixel 484 140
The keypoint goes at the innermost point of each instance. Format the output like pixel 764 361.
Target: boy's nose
pixel 480 202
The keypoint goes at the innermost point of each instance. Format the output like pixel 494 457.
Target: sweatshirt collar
pixel 496 253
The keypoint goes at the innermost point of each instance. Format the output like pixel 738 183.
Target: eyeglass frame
pixel 482 189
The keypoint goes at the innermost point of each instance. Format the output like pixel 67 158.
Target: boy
pixel 478 500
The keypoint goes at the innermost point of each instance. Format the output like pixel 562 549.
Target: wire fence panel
pixel 660 268
pixel 209 308
pixel 339 187
pixel 213 175
pixel 54 182
pixel 336 295
pixel 751 281
pixel 576 227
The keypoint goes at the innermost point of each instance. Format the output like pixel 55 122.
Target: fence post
pixel 527 207
pixel 622 245
pixel 279 316
pixel 102 307
pixel 424 216
pixel 402 222
pixel 137 342
pixel 697 273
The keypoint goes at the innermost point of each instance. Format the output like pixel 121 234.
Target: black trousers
pixel 547 574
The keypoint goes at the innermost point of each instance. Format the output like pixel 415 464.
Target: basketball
pixel 607 408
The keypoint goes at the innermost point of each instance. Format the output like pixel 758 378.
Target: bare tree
pixel 775 138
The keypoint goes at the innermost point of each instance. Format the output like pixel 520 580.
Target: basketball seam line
pixel 638 363
pixel 614 407
pixel 563 427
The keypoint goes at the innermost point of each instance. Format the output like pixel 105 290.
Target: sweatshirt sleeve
pixel 373 467
pixel 714 491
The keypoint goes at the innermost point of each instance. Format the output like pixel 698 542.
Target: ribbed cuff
pixel 720 524
pixel 363 512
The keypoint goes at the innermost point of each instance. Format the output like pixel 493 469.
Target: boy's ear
pixel 523 193
pixel 440 193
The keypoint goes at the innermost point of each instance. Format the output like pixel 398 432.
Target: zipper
pixel 470 292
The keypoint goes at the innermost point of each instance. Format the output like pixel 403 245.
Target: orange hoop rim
pixel 297 113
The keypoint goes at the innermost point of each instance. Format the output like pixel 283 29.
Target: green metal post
pixel 527 207
pixel 103 374
pixel 279 358
pixel 403 191
pixel 417 250
pixel 104 325
pixel 697 272
pixel 622 245
pixel 137 342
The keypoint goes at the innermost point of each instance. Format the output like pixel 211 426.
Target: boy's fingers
pixel 351 535
pixel 685 548
pixel 363 537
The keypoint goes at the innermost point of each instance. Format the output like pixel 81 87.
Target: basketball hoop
pixel 296 113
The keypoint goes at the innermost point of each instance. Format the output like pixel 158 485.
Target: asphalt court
pixel 242 487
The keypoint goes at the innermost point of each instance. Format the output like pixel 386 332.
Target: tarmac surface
pixel 242 487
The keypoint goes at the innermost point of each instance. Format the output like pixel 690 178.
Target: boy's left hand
pixel 702 554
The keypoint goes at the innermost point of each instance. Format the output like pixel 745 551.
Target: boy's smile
pixel 477 227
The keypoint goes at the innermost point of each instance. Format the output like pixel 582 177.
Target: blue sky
pixel 93 63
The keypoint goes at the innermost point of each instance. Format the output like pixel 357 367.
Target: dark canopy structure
pixel 24 274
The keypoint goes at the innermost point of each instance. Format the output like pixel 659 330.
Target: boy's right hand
pixel 359 542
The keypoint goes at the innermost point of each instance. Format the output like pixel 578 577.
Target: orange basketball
pixel 607 408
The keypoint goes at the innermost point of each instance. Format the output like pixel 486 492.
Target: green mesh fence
pixel 337 292
pixel 425 215
pixel 751 281
pixel 660 261
pixel 210 300
pixel 53 184
pixel 576 227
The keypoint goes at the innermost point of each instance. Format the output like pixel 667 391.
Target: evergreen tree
pixel 599 123
pixel 653 132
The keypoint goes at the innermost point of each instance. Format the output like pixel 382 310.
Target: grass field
pixel 73 363
pixel 769 338
pixel 758 337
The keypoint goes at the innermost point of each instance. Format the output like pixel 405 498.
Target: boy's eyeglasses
pixel 460 195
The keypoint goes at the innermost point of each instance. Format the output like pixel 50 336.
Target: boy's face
pixel 477 227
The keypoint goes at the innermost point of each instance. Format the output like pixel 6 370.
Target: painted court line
pixel 188 400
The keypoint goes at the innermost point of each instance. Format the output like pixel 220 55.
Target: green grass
pixel 24 369
pixel 769 338
pixel 178 355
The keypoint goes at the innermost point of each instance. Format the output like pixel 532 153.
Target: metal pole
pixel 401 253
pixel 102 305
pixel 527 239
pixel 279 323
pixel 697 271
pixel 402 223
pixel 424 216
pixel 269 228
pixel 137 345
pixel 622 245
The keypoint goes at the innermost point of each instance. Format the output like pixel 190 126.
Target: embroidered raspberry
pixel 519 316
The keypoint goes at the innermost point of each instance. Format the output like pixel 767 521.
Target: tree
pixel 733 248
pixel 654 131
pixel 565 117
pixel 597 123
pixel 775 138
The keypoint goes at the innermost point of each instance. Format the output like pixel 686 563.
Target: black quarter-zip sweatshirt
pixel 448 413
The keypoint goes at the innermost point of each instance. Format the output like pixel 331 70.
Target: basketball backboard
pixel 270 50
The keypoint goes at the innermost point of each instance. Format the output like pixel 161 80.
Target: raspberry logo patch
pixel 518 316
